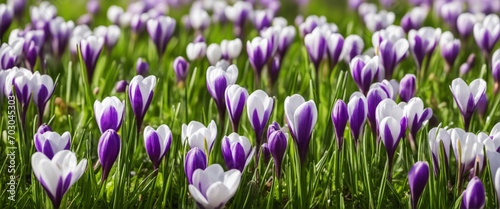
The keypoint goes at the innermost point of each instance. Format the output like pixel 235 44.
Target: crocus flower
pixel 116 15
pixel 218 79
pixel 157 143
pixel 310 24
pixel 277 141
pixel 109 114
pixel 285 39
pixel 50 143
pixel 58 174
pixel 380 20
pixel 60 32
pixel 160 31
pixel 91 49
pixel 108 150
pixel 181 68
pixel 236 97
pixel 199 19
pixel 340 116
pixel 212 187
pixel 214 53
pixel 450 48
pixel 422 43
pixel 259 109
pixel 417 179
pixel 41 15
pixel 266 154
pixel 373 98
pixel 141 92
pixel 450 12
pixel 17 6
pixel 43 128
pixel 358 110
pixel 487 33
pixel 417 116
pixel 436 137
pixel 495 68
pixel 301 117
pixel 391 131
pixel 259 51
pixel 195 159
pixel 43 88
pixel 238 14
pixel 335 44
pixel 218 12
pixel 110 34
pixel 366 8
pixel 237 151
pixel 196 50
pixel 482 105
pixel 467 148
pixel 33 44
pixel 93 6
pixel 23 83
pixel 8 57
pixel 316 46
pixel 138 23
pixel 364 70
pixel 262 19
pixel 230 49
pixel 389 108
pixel 407 87
pixel 414 18
pixel 121 86
pixel 474 195
pixel 353 46
pixel 467 97
pixel 197 135
pixel 465 24
pixel 391 54
pixel 142 66
pixel 79 32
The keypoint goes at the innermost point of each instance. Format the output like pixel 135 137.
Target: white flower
pixel 196 51
pixel 214 53
pixel 200 136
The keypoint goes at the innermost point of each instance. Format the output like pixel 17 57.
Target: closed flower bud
pixel 108 150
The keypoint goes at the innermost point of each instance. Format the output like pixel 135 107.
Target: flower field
pixel 250 104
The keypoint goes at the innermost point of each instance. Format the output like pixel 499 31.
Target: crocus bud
pixel 353 46
pixel 141 92
pixel 157 143
pixel 391 131
pixel 60 32
pixel 109 113
pixel 391 54
pixel 138 22
pixel 43 128
pixel 108 150
pixel 110 34
pixel 436 137
pixel 335 44
pixel 414 18
pixel 237 151
pixel 373 98
pixel 79 32
pixel 474 195
pixel 160 31
pixel 196 50
pixel 310 24
pixel 121 86
pixel 230 49
pixel 218 79
pixel 407 87
pixel 301 117
pixel 238 14
pixel 467 97
pixel 259 51
pixel 482 105
pixel 142 67
pixel 114 14
pixel 212 187
pixel 9 57
pixel 17 6
pixel 364 70
pixel 199 19
pixel 43 88
pixel 214 53
pixel 277 141
pixel 58 174
pixel 262 19
pixel 340 116
pixel 236 97
pixel 195 159
pixel 181 68
pixel 259 109
pixel 41 15
pixel 450 48
pixel 316 46
pixel 33 44
pixel 417 179
pixel 285 39
pixel 50 143
pixel 91 49
pixel 487 32
pixel 358 110
pixel 266 154
pixel 380 20
pixel 465 24
pixel 22 81
pixel 417 116
pixel 450 12
pixel 423 42
pixel 389 108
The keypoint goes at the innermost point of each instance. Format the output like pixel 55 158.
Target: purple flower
pixel 310 24
pixel 109 114
pixel 230 49
pixel 142 66
pixel 417 116
pixel 238 14
pixel 181 68
pixel 487 33
pixel 108 150
pixel 22 80
pixel 417 179
pixel 138 22
pixel 378 21
pixel 262 18
pixel 141 92
pixel 259 109
pixel 266 154
pixel 450 12
pixel 335 43
pixel 277 141
pixel 110 34
pixel 259 51
pixel 93 6
pixel 436 137
pixel 414 18
pixel 358 110
pixel 43 88
pixel 8 57
pixel 17 6
pixel 91 49
pixel 50 143
pixel 43 128
pixel 160 31
pixel 450 48
pixel 364 71
pixel 316 46
pixel 121 86
pixel 33 44
pixel 482 105
pixel 236 97
pixel 218 79
pixel 301 117
pixel 237 151
pixel 465 24
pixel 60 33
pixel 157 143
pixel 474 195
pixel 80 32
pixel 407 87
pixel 200 136
pixel 389 108
pixel 274 70
pixel 467 97
pixel 58 174
pixel 353 46
pixel 195 159
pixel 354 4
pixel 41 15
pixel 391 54
pixel 373 98
pixel 423 42
pixel 6 15
pixel 391 131
pixel 285 39
pixel 340 116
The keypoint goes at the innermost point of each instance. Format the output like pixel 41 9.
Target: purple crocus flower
pixel 58 174
pixel 33 44
pixel 8 57
pixel 465 24
pixel 22 80
pixel 467 97
pixel 301 117
pixel 340 116
pixel 417 116
pixel 377 21
pixel 157 143
pixel 391 131
pixel 43 128
pixel 141 92
pixel 436 137
pixel 358 110
pixel 262 19
pixel 495 68
pixel 108 150
pixel 259 109
pixel 364 71
pixel 316 46
pixel 266 154
pixel 142 66
pixel 17 6
pixel 181 68
pixel 121 86
pixel 41 16
pixel 60 32
pixel 373 98
pixel 423 42
pixel 237 151
pixel 335 43
pixel 407 87
pixel 79 32
pixel 6 16
pixel 310 23
pixel 354 4
pixel 414 18
pixel 195 159
pixel 277 141
pixel 43 88
pixel 450 48
pixel 487 33
pixel 109 113
pixel 90 48
pixel 285 39
pixel 236 97
pixel 417 179
pixel 482 105
pixel 474 195
pixel 259 51
pixel 160 31
pixel 353 46
pixel 218 79
pixel 50 143
pixel 391 54
pixel 138 23
pixel 238 14
pixel 450 12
